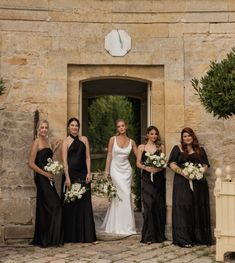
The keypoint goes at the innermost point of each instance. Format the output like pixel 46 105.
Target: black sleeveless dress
pixel 48 224
pixel 154 204
pixel 79 223
pixel 191 209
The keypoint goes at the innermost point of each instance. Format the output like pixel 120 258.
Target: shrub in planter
pixel 216 90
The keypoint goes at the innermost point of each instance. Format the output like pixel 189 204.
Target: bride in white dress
pixel 119 218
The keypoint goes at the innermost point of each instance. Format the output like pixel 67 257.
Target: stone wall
pixel 40 40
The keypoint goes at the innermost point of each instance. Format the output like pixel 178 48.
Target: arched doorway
pixel 135 90
pixel 129 87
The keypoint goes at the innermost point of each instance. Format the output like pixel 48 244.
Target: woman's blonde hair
pixel 121 120
pixel 39 124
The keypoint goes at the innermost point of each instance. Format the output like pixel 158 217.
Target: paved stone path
pixel 122 250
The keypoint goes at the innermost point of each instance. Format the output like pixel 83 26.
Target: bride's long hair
pixel 39 124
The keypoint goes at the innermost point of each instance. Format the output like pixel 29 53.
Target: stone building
pixel 53 58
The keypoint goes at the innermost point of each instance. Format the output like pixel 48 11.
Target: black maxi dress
pixel 48 223
pixel 154 205
pixel 79 223
pixel 191 209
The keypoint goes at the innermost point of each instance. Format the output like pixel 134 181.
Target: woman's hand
pixel 106 174
pixel 88 178
pixel 49 176
pixel 67 182
pixel 152 169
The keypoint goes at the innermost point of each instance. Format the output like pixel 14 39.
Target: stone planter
pixel 225 217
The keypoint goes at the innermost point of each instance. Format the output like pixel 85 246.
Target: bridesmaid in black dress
pixel 191 209
pixel 48 224
pixel 79 223
pixel 153 192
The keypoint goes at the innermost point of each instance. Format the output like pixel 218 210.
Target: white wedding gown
pixel 119 218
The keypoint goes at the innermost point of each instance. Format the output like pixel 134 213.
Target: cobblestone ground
pixel 123 250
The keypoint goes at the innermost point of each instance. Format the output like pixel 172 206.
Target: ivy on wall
pixel 216 90
pixel 2 86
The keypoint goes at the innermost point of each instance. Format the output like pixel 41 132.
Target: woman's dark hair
pixel 73 119
pixel 195 143
pixel 158 142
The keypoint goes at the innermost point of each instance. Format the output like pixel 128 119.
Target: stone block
pixel 206 6
pixel 16 211
pixel 168 7
pixel 231 17
pixel 222 28
pixel 157 93
pixel 174 92
pixel 15 60
pixel 206 17
pixel 24 192
pixel 58 87
pixel 147 31
pixel 158 118
pixel 171 138
pixel 19 232
pixel 25 4
pixel 177 123
pixel 179 29
pixel 25 42
pixel 57 67
pixel 231 5
pixel 58 115
pixel 27 15
pixel 174 71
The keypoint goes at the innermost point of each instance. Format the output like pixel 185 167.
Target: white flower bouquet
pixel 75 192
pixel 155 160
pixel 194 171
pixel 104 187
pixel 54 167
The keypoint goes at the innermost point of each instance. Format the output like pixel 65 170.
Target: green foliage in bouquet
pixel 216 90
pixel 2 86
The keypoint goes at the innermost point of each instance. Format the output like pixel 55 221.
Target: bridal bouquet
pixel 75 192
pixel 194 171
pixel 104 187
pixel 155 160
pixel 54 167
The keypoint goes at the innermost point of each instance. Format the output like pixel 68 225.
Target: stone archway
pixel 128 87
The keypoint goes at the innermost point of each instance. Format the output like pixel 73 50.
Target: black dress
pixel 191 209
pixel 79 223
pixel 154 204
pixel 48 224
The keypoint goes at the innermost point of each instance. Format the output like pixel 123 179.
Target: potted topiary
pixel 216 90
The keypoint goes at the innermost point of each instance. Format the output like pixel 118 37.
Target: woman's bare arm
pixel 31 162
pixel 109 156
